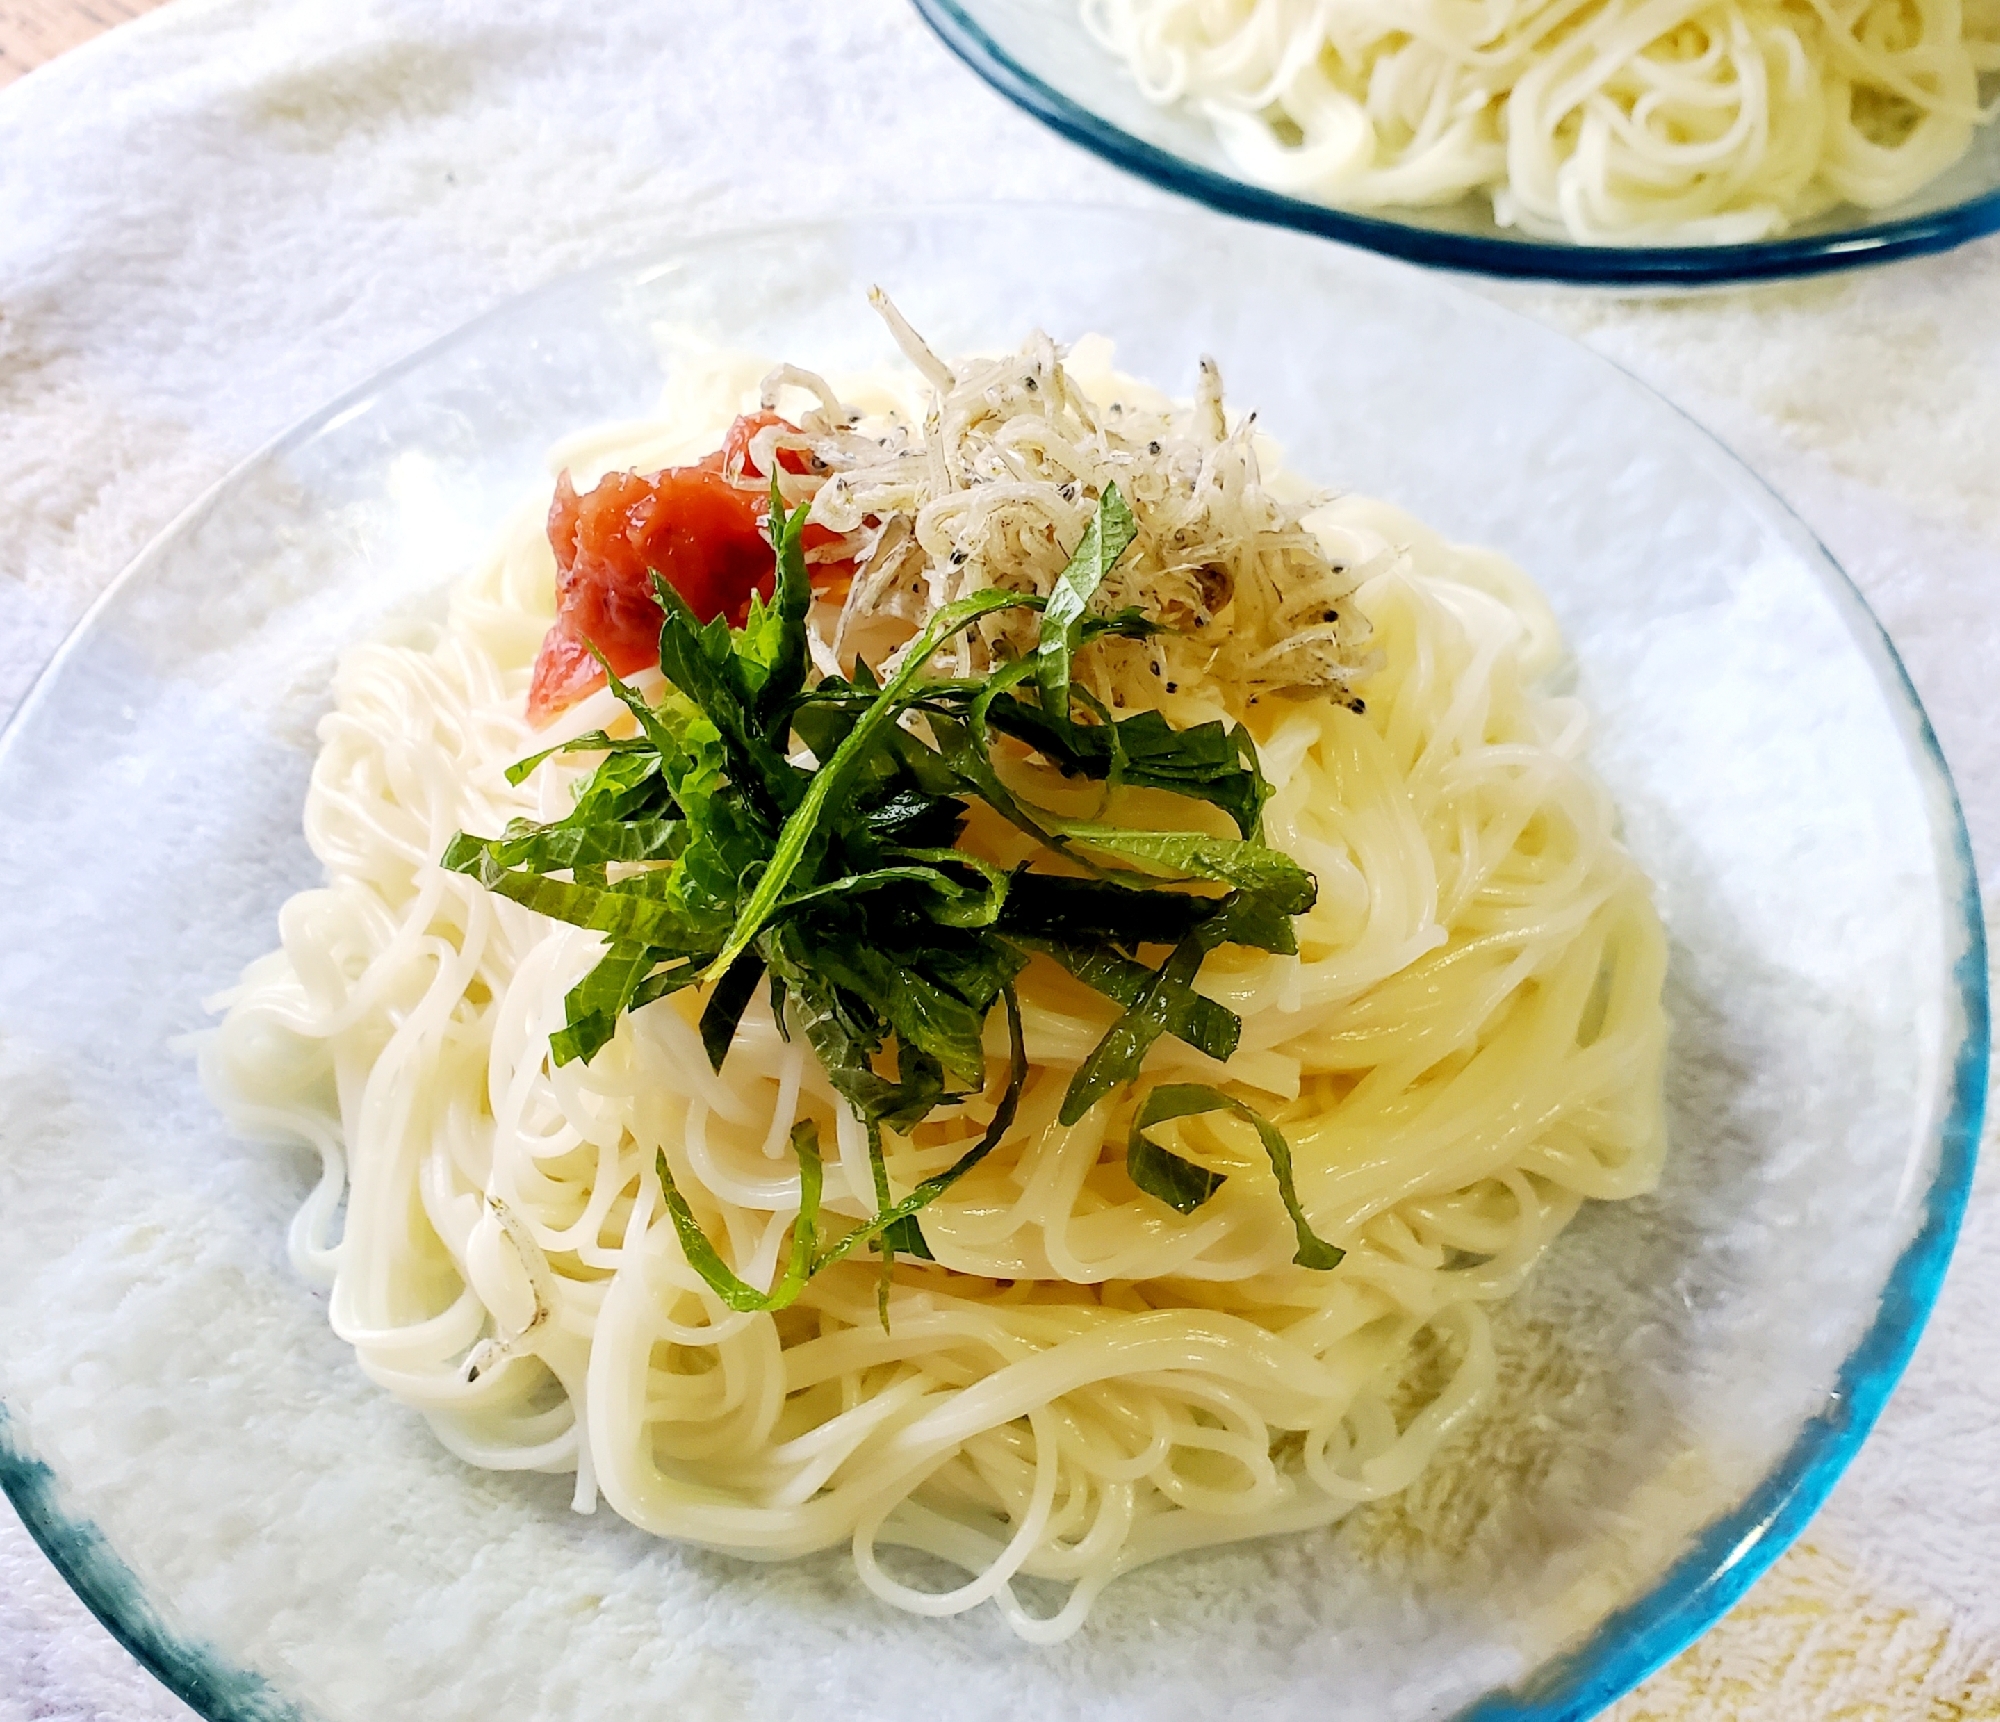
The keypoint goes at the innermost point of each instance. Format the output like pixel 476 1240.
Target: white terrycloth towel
pixel 214 220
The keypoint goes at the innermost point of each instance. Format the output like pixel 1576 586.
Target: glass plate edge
pixel 1739 1548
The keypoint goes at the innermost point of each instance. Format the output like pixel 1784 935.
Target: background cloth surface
pixel 213 220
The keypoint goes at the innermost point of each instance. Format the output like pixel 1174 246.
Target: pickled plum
pixel 698 527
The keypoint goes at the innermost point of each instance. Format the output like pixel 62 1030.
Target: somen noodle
pixel 1466 1046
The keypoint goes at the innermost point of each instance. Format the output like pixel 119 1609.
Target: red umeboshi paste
pixel 701 532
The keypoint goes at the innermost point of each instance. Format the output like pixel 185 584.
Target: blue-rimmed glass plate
pixel 1038 55
pixel 1684 1377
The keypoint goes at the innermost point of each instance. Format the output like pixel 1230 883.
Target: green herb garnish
pixel 1184 1186
pixel 707 854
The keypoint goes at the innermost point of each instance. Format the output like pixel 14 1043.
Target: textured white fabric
pixel 214 219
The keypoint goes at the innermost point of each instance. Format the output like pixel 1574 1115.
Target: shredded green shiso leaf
pixel 706 854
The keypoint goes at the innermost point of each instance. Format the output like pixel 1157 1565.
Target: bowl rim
pixel 1526 259
pixel 1688 1597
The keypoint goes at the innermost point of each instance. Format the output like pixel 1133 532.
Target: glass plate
pixel 1038 55
pixel 1685 1376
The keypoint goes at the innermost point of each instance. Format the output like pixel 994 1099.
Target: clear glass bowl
pixel 1038 55
pixel 1685 1376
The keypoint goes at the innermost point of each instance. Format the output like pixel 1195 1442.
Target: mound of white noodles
pixel 1611 121
pixel 1467 1047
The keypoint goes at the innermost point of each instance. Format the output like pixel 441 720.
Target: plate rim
pixel 1526 259
pixel 1724 1559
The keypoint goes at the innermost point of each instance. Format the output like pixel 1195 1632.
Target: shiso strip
pixel 1184 1186
pixel 707 854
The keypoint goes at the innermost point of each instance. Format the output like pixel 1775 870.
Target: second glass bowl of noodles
pixel 1040 55
pixel 195 1447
